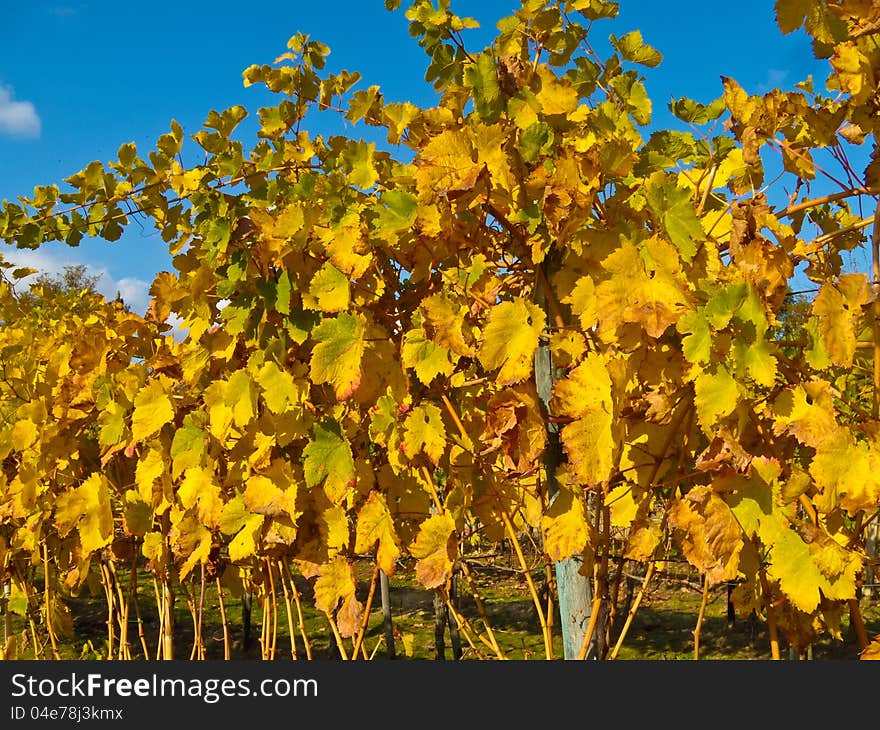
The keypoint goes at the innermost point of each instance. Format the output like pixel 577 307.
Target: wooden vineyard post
pixel 387 619
pixel 573 588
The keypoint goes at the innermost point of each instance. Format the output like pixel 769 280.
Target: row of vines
pixel 358 379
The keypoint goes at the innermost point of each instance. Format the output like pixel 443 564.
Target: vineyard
pixel 514 376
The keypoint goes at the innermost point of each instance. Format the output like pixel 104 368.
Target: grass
pixel 662 628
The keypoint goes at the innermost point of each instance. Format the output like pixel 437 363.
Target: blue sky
pixel 79 78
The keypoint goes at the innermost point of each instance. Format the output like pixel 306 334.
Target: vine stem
pixel 548 643
pixel 160 607
pixel 137 609
pixel 455 418
pixel 858 623
pixel 227 654
pixel 274 603
pixel 108 592
pixel 167 619
pixel 299 611
pixel 591 627
pixel 482 610
pixel 338 637
pixel 632 611
pixel 201 613
pixel 426 475
pixel 49 628
pixel 551 299
pixel 366 619
pixel 121 612
pixel 467 629
pixel 700 617
pixel 771 620
pixel 288 610
pixel 833 197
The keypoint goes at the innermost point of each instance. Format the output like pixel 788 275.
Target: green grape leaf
pixel 336 358
pixel 328 459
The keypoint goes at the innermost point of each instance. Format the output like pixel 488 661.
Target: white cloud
pixel 775 78
pixel 17 118
pixel 134 292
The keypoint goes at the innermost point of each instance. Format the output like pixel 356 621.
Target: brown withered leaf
pixel 712 537
pixel 515 427
pixel 724 451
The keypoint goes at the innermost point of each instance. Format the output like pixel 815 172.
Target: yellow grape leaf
pixel 642 542
pixel 24 433
pixel 510 339
pixel 151 467
pixel 446 321
pixel 278 387
pixel 244 544
pixel 713 538
pixel 586 390
pixel 200 489
pixel 585 395
pixel 622 505
pixel 239 395
pixel 556 96
pixel 567 348
pixel 328 291
pixel 335 583
pixel 840 566
pixel 631 295
pixel 234 516
pixel 716 397
pixel 838 307
pixel 96 525
pixel 423 430
pixel 229 402
pixel 564 526
pixel 264 496
pixel 855 74
pixel 86 507
pixel 137 517
pixel 358 155
pixel 154 548
pixel 847 474
pixel 446 163
pixel 375 524
pixel 792 565
pixel 336 358
pixel 190 540
pixel 186 182
pixel 112 422
pixel 435 547
pixel 152 410
pixel 589 444
pixel 427 359
pixel 806 411
pixel 347 248
pixel 872 652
